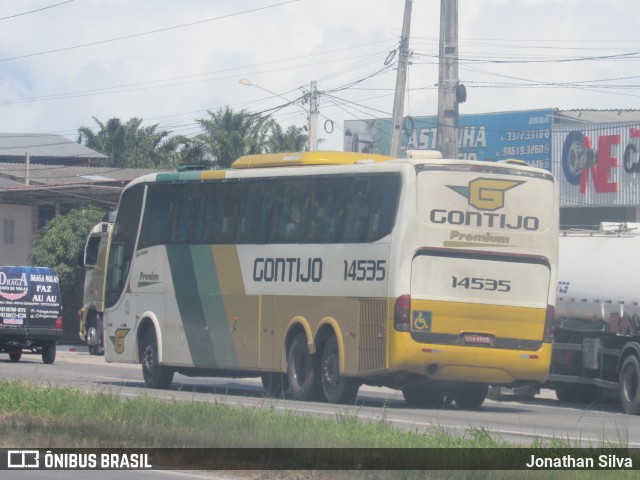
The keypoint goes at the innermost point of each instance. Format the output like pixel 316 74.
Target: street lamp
pixel 248 83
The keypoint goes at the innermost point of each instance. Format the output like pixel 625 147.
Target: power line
pixel 36 10
pixel 150 32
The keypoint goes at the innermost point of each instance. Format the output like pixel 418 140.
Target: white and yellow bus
pixel 323 271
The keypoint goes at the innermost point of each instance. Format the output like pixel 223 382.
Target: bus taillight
pixel 402 313
pixel 59 323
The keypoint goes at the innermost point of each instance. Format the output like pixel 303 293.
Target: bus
pixel 322 271
pixel 93 258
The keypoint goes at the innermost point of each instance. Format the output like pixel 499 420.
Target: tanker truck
pixel 596 350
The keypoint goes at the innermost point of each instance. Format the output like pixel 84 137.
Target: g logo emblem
pixel 486 193
pixel 118 339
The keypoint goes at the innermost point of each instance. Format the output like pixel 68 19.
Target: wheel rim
pixel 148 358
pixel 91 336
pixel 331 371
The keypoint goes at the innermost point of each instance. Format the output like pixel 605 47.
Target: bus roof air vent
pixel 423 154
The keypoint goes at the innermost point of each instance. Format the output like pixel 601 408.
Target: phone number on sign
pixel 527 135
pixel 526 150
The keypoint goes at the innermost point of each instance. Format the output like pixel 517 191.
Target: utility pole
pixel 447 136
pixel 401 81
pixel 313 117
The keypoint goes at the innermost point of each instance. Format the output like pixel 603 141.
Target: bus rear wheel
pixel 155 375
pixel 302 370
pixel 336 388
pixel 470 396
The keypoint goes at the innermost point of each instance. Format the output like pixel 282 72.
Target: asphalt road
pixel 520 422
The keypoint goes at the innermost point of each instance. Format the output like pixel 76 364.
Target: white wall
pixel 16 233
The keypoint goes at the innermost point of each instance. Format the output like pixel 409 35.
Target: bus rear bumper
pixel 483 365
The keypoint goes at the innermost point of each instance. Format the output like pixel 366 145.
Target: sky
pixel 64 62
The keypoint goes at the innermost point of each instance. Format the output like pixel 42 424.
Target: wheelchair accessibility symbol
pixel 421 321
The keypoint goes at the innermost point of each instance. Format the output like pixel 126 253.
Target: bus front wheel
pixel 302 370
pixel 336 388
pixel 155 375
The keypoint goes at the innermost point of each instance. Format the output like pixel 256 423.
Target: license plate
pixel 477 339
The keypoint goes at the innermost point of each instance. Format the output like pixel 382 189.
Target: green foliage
pixel 57 245
pixel 291 140
pixel 130 145
pixel 227 135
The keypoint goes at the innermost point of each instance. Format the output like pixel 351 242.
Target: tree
pixel 57 246
pixel 130 145
pixel 291 140
pixel 229 135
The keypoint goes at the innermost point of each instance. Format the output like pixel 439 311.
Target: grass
pixel 33 416
pixel 63 417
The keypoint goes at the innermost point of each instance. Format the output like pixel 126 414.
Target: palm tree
pixel 130 145
pixel 291 140
pixel 229 135
pixel 109 139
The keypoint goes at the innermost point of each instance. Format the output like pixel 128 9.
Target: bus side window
pixel 327 210
pixel 123 245
pixel 292 211
pixel 228 213
pixel 383 207
pixel 249 214
pixel 185 209
pixel 91 252
pixel 357 212
pixel 156 224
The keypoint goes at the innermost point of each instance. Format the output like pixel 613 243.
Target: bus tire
pixel 423 395
pixel 275 383
pixel 15 355
pixel 302 370
pixel 92 336
pixel 629 385
pixel 49 353
pixel 155 375
pixel 470 396
pixel 336 388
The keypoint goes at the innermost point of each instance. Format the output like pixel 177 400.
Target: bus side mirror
pixel 80 258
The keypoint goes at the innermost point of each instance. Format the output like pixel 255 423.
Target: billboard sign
pixel 597 164
pixel 524 135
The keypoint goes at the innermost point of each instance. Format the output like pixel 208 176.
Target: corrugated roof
pixel 44 145
pixel 50 175
pixel 72 185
